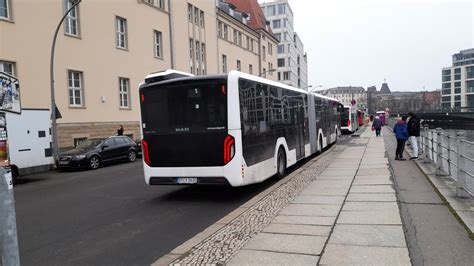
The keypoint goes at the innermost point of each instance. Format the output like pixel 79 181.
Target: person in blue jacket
pixel 401 133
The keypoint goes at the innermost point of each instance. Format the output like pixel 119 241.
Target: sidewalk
pixel 348 215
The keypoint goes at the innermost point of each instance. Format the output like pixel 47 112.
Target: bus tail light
pixel 229 148
pixel 145 151
pixel 348 122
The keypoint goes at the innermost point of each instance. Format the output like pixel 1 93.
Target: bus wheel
pixel 281 163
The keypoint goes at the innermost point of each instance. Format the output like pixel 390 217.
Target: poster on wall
pixel 9 93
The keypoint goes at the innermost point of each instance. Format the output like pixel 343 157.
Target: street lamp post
pixel 311 86
pixel 265 73
pixel 51 73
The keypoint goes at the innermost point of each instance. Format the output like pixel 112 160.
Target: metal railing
pixel 453 156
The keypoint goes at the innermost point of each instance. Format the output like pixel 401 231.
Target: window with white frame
pixel 281 48
pixel 72 20
pixel 248 43
pixel 201 18
pixel 219 29
pixel 270 48
pixel 271 10
pixel 121 34
pixel 156 3
pixel 7 67
pixel 276 24
pixel 226 32
pixel 203 58
pixel 239 65
pixel 4 9
pixel 224 63
pixel 191 48
pixel 281 62
pixel 264 53
pixel 124 93
pixel 197 49
pixel 158 44
pixel 196 15
pixel 239 38
pixel 75 85
pixel 250 69
pixel 190 13
pixel 235 37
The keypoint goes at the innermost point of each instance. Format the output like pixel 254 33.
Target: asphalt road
pixel 110 217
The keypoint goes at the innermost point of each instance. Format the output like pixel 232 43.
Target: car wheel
pixel 132 156
pixel 94 162
pixel 281 163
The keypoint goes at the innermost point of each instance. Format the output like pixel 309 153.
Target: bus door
pixel 299 132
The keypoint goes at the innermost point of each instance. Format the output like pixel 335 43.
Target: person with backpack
pixel 401 133
pixel 413 127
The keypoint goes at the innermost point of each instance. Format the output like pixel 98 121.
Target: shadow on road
pixel 214 193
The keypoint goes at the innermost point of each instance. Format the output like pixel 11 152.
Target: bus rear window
pixel 344 116
pixel 180 107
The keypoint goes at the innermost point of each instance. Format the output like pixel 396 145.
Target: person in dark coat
pixel 413 127
pixel 120 131
pixel 401 133
pixel 377 126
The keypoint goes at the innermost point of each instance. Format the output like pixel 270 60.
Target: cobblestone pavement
pixel 221 246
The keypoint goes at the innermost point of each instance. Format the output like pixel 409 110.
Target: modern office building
pixel 292 66
pixel 458 82
pixel 105 49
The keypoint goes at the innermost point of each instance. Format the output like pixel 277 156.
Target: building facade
pixel 104 51
pixel 457 87
pixel 346 95
pixel 291 59
pixel 404 102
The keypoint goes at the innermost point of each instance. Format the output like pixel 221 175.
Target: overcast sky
pixel 361 42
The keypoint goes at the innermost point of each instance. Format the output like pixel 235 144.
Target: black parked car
pixel 95 151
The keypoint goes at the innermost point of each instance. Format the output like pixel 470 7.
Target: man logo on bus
pixel 182 129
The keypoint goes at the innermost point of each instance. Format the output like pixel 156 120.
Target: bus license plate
pixel 187 180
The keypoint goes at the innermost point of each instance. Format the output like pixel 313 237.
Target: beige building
pixel 105 49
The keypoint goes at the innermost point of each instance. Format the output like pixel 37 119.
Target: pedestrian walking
pixel 377 126
pixel 413 128
pixel 401 133
pixel 120 131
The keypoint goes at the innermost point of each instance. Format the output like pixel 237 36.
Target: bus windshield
pixel 185 106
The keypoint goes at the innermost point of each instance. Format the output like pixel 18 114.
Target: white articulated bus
pixel 230 129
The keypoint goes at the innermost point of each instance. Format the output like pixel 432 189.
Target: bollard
pixel 9 241
pixel 462 176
